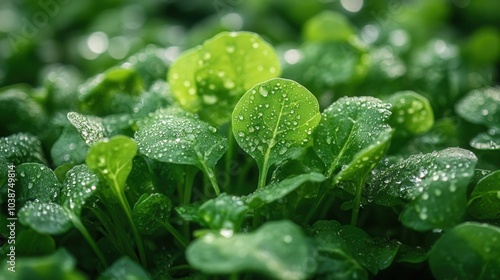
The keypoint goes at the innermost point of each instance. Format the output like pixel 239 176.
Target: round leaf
pixel 79 185
pixel 211 78
pixel 481 106
pixel 411 113
pixel 275 119
pixel 484 202
pixel 49 218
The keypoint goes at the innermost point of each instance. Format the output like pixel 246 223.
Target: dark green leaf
pixel 70 148
pixel 36 182
pixel 21 147
pixel 171 135
pixel 79 185
pixel 49 217
pixel 433 187
pixel 468 251
pixel 224 213
pixel 348 126
pixel 151 212
pixel 481 106
pixel 31 243
pixel 278 190
pixel 277 249
pixel 487 141
pixel 484 201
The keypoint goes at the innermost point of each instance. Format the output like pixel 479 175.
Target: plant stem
pixel 79 226
pixel 168 226
pixel 135 232
pixel 357 202
pixel 211 176
pixel 188 184
pixel 256 218
pixel 317 203
pixel 263 176
pixel 229 157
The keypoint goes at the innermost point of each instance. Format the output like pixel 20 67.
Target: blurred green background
pixel 91 36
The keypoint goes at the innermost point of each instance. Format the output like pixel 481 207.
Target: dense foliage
pixel 318 144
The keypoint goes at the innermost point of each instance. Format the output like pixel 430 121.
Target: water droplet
pixel 263 91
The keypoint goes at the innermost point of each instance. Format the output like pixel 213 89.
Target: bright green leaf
pixel 274 120
pixel 319 28
pixel 112 160
pixel 348 126
pixel 484 201
pixel 211 78
pixel 411 113
pixel 278 190
pixel 277 249
pixel 468 251
pixel 90 127
pixel 433 187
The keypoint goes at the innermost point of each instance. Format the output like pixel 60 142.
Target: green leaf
pixel 32 243
pixel 484 201
pixel 70 148
pixel 150 63
pixel 348 126
pixel 171 135
pixel 278 190
pixel 151 212
pixel 211 78
pixel 90 127
pixel 124 268
pixel 49 217
pixel 487 141
pixel 411 113
pixel 432 186
pixel 356 245
pixel 274 120
pixel 19 112
pixel 319 28
pixel 111 160
pixel 21 147
pixel 468 251
pixel 36 182
pixel 481 106
pixel 277 249
pixel 224 213
pixel 114 91
pixel 79 185
pixel 325 65
pixel 59 265
pixel 364 161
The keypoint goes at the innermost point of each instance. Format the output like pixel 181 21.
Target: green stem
pixel 211 176
pixel 175 234
pixel 256 218
pixel 263 176
pixel 229 157
pixel 356 202
pixel 135 232
pixel 319 200
pixel 188 184
pixel 79 226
